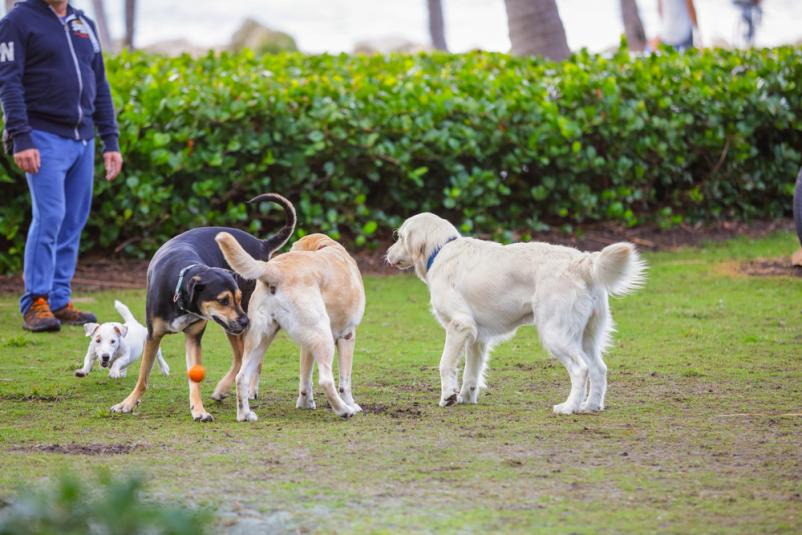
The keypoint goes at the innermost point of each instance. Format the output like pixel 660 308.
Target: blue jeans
pixel 61 196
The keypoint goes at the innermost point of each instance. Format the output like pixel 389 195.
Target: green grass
pixel 699 435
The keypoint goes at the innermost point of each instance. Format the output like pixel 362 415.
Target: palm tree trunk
pixel 437 24
pixel 536 29
pixel 102 24
pixel 130 16
pixel 633 27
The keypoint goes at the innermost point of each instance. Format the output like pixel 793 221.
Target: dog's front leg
pixel 148 357
pixel 89 359
pixel 118 368
pixel 458 334
pixel 194 334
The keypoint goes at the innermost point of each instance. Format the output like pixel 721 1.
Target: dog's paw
pixel 80 373
pixel 165 370
pixel 564 408
pixel 590 408
pixel 116 374
pixel 355 407
pixel 305 402
pixel 450 400
pixel 346 413
pixel 202 417
pixel 219 396
pixel 468 398
pixel 125 407
pixel 249 416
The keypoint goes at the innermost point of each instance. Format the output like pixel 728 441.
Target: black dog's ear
pixel 194 286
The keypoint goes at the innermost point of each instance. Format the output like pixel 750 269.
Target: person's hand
pixel 28 160
pixel 113 162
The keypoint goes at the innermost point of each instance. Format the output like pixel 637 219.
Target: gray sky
pixel 335 25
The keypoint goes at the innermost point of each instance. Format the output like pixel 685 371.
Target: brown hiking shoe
pixel 72 316
pixel 39 318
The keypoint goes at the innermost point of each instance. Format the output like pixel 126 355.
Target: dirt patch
pixel 82 449
pixel 96 272
pixel 394 412
pixel 777 267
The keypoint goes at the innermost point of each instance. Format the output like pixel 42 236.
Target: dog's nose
pixel 105 357
pixel 244 321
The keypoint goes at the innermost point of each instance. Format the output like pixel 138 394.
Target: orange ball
pixel 196 373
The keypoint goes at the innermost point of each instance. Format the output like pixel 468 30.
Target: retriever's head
pixel 418 237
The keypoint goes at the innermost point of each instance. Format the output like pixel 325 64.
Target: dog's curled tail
pixel 125 312
pixel 244 264
pixel 277 240
pixel 619 269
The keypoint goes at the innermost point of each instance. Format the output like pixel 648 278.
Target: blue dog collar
pixel 434 254
pixel 177 294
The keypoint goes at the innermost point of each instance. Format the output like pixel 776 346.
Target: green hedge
pixel 494 142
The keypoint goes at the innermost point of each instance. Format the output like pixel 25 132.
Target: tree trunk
pixel 536 29
pixel 437 25
pixel 102 24
pixel 633 27
pixel 10 5
pixel 130 16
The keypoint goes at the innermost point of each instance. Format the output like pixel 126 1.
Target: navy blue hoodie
pixel 52 76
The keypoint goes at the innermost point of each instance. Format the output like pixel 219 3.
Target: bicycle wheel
pixel 798 206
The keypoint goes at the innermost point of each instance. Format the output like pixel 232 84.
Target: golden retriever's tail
pixel 618 268
pixel 244 264
pixel 277 240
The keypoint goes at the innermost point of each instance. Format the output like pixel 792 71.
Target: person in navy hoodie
pixel 54 94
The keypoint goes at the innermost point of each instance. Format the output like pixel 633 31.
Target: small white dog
pixel 117 345
pixel 482 291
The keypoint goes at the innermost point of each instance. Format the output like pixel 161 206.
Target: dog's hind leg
pixel 321 346
pixel 255 345
pixel 223 388
pixel 345 350
pixel 595 340
pixel 473 375
pixel 569 353
pixel 193 335
pixel 145 367
pixel 163 366
pixel 306 395
pixel 459 333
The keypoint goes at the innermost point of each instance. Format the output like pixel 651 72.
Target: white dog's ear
pixel 90 328
pixel 122 330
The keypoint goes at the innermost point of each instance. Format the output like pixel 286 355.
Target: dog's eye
pixel 98 340
pixel 114 341
pixel 223 301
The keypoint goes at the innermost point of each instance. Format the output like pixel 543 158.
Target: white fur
pixel 482 291
pixel 117 345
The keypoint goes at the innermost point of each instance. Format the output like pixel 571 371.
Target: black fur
pixel 210 274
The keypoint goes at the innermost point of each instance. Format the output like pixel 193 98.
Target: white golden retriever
pixel 482 291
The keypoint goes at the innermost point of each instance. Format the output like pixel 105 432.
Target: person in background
pixel 677 23
pixel 54 93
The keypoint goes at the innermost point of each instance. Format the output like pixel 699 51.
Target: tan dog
pixel 315 293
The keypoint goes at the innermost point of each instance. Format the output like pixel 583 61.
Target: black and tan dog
pixel 190 283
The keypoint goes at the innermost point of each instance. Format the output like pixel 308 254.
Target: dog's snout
pixel 243 321
pixel 105 357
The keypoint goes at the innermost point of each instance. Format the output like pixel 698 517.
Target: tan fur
pixel 315 293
